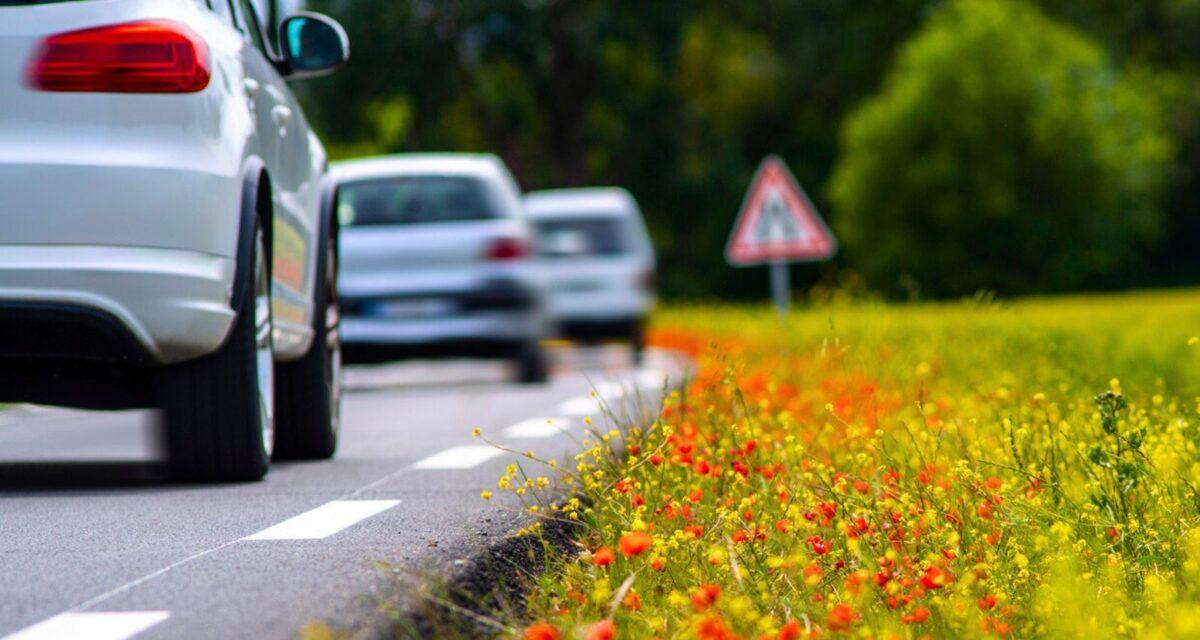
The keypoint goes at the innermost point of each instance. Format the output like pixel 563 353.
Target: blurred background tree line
pixel 954 145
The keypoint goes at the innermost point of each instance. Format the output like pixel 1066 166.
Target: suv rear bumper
pixel 149 306
pixel 42 330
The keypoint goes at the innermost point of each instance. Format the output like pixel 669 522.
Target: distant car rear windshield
pixel 582 237
pixel 416 200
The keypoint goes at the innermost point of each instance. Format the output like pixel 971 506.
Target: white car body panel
pixel 596 288
pixel 140 194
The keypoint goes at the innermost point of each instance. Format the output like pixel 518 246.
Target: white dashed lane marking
pixel 610 393
pixel 465 457
pixel 610 390
pixel 538 428
pixel 606 395
pixel 580 406
pixel 652 379
pixel 325 520
pixel 102 625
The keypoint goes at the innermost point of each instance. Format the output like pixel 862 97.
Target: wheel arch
pixel 257 204
pixel 330 227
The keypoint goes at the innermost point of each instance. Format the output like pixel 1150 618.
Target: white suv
pixel 167 235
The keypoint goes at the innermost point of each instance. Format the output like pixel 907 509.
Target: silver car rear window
pixel 582 237
pixel 416 200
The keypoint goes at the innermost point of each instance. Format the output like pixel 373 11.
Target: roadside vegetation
pixel 976 469
pixel 1019 146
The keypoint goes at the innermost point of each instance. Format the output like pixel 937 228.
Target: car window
pixel 269 12
pixel 582 237
pixel 250 25
pixel 416 200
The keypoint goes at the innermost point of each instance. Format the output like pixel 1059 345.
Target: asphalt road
pixel 95 545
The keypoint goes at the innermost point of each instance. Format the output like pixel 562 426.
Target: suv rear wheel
pixel 219 410
pixel 308 392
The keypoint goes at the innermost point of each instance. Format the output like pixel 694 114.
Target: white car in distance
pixel 166 225
pixel 598 262
pixel 437 259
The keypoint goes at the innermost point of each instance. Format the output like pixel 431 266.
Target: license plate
pixel 579 285
pixel 413 308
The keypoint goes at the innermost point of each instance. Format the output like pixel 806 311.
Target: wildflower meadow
pixel 976 469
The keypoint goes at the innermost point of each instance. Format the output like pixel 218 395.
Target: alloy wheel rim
pixel 334 382
pixel 263 349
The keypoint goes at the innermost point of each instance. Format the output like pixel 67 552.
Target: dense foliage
pixel 679 101
pixel 948 471
pixel 1003 151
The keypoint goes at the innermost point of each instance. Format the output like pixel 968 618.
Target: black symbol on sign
pixel 777 224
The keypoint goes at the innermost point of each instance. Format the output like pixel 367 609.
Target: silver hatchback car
pixel 598 263
pixel 437 259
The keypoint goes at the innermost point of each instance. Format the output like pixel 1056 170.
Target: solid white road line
pixel 325 520
pixel 102 625
pixel 538 428
pixel 464 457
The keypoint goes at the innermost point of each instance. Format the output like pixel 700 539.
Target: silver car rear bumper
pixel 175 303
pixel 499 326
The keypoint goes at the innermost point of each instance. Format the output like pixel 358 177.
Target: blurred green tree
pixel 678 101
pixel 675 100
pixel 1002 153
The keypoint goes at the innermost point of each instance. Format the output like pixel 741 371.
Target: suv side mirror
pixel 312 44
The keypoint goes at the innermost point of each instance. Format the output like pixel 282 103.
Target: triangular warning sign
pixel 778 222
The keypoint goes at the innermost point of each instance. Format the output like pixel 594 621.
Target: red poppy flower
pixel 603 557
pixel 918 615
pixel 704 596
pixel 934 578
pixel 603 630
pixel 840 617
pixel 634 543
pixel 541 631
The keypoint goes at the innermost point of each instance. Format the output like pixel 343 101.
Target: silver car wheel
pixel 333 343
pixel 264 352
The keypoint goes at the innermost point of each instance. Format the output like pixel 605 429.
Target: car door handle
pixel 281 114
pixel 251 85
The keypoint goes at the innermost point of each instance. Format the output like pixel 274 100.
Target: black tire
pixel 218 423
pixel 533 365
pixel 308 391
pixel 637 340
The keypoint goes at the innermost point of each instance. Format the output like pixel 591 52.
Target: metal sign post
pixel 781 286
pixel 778 225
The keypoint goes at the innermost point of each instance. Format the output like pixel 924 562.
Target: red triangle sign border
pixel 817 242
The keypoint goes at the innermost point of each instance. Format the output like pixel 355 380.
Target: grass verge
pixel 979 469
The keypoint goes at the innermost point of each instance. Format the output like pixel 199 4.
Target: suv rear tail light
pixel 507 249
pixel 153 56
